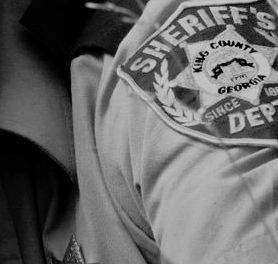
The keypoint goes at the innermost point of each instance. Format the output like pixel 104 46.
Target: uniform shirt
pixel 160 180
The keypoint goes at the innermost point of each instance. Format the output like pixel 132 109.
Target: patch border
pixel 255 142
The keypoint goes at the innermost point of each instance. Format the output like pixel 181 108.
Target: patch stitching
pixel 166 97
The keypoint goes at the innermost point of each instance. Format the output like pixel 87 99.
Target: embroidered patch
pixel 211 71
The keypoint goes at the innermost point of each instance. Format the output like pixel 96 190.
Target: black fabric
pixel 56 23
pixel 34 88
pixel 9 250
pixel 17 185
pixel 31 182
pixel 107 29
pixel 67 27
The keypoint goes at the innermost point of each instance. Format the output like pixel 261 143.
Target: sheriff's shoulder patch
pixel 211 71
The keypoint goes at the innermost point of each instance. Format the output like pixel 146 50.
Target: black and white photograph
pixel 139 131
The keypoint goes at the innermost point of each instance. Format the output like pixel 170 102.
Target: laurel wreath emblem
pixel 165 94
